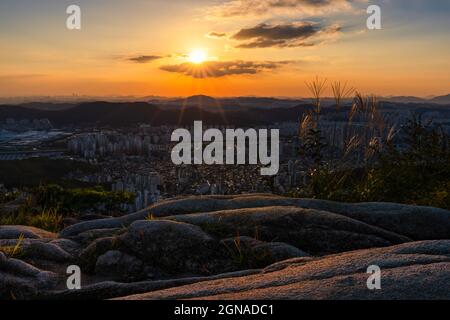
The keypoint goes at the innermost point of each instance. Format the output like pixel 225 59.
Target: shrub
pixel 418 172
pixel 81 199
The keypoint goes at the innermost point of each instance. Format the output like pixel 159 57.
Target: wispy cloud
pixel 216 69
pixel 294 34
pixel 15 77
pixel 145 58
pixel 234 8
pixel 216 35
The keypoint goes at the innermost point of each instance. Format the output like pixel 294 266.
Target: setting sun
pixel 197 56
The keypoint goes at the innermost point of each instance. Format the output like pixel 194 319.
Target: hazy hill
pixel 48 106
pixel 405 99
pixel 442 99
pixel 218 104
pixel 123 114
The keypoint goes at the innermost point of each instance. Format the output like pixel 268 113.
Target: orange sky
pixel 142 48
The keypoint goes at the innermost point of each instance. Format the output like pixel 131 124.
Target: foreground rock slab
pixel 419 270
pixel 256 246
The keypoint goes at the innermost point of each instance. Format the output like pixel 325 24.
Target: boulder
pixel 14 232
pixel 46 251
pixel 20 280
pixel 71 247
pixel 38 249
pixel 89 236
pixel 88 256
pixel 313 231
pixel 415 222
pixel 175 247
pixel 120 266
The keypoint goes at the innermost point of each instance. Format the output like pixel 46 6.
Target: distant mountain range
pixel 107 114
pixel 124 114
pixel 235 111
pixel 201 101
pixel 409 99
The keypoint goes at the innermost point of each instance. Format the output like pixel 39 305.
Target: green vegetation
pixel 417 173
pixel 81 199
pixel 46 206
pixel 47 219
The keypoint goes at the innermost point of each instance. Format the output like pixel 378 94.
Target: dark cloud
pixel 216 35
pixel 282 35
pixel 216 69
pixel 145 59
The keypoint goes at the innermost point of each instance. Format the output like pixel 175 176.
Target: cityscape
pixel 138 159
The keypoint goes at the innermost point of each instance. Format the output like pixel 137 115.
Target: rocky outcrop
pixel 316 232
pixel 418 270
pixel 175 247
pixel 14 232
pixel 415 222
pixel 247 246
pixel 20 280
pixel 120 266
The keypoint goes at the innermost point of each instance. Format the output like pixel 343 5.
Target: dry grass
pixel 317 87
pixel 341 91
pixel 47 219
pixel 14 251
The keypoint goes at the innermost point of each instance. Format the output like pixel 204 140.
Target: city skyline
pixel 222 48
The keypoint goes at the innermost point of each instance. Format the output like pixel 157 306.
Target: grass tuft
pixel 48 219
pixel 14 251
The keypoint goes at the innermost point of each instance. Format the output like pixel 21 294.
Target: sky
pixel 222 47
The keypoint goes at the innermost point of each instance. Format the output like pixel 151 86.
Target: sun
pixel 197 56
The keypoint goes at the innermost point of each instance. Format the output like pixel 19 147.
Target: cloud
pixel 145 59
pixel 18 77
pixel 216 69
pixel 294 34
pixel 216 35
pixel 234 8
